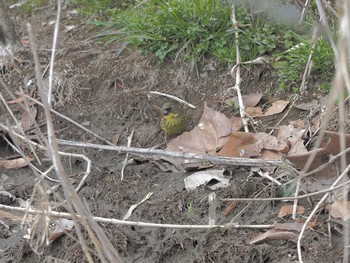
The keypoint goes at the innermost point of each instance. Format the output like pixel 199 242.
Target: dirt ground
pixel 109 94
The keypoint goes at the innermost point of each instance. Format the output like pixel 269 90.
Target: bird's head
pixel 168 108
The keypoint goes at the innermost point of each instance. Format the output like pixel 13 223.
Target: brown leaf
pixel 293 136
pixel 15 101
pixel 274 234
pixel 236 123
pixel 207 137
pixel 340 209
pixel 251 100
pixel 270 155
pixel 115 138
pixel 254 111
pixel 230 208
pixel 294 226
pixel 28 118
pixel 277 107
pixel 15 163
pixel 271 142
pixel 288 210
pixel 322 155
pixel 241 144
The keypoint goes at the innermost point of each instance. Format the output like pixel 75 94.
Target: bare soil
pixel 109 94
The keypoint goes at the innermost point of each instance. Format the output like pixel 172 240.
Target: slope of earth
pixel 110 95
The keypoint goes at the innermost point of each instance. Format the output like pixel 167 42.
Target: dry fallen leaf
pixel 15 163
pixel 236 123
pixel 340 209
pixel 277 107
pixel 251 100
pixel 271 142
pixel 241 144
pixel 282 231
pixel 254 111
pixel 288 210
pixel 115 138
pixel 207 137
pixel 297 225
pixel 274 234
pixel 322 155
pixel 15 101
pixel 28 118
pixel 230 208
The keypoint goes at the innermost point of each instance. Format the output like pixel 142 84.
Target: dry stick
pixel 44 174
pixel 53 53
pixel 77 155
pixel 304 11
pixel 188 156
pixel 212 208
pixel 133 207
pixel 344 173
pixel 127 155
pixel 308 66
pixel 130 223
pixel 174 98
pixel 330 8
pixel 70 120
pixel 53 144
pixel 289 198
pixel 330 106
pixel 104 248
pixel 342 144
pixel 19 126
pixel 324 22
pixel 237 67
pixel 341 78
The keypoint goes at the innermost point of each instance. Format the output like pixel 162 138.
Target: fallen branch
pixel 130 223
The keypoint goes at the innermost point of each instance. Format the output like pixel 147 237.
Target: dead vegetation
pixel 74 203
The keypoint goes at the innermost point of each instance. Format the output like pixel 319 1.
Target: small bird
pixel 173 121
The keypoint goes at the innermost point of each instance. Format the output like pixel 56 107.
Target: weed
pixel 30 5
pixel 190 208
pixel 292 63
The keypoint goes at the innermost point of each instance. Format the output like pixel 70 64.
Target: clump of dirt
pixel 109 94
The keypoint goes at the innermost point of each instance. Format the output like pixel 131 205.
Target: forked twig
pixel 237 68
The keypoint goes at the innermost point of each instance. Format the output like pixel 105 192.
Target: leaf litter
pixel 216 135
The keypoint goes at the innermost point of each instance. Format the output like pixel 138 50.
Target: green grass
pixel 195 30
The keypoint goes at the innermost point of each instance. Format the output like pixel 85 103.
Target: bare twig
pixel 53 53
pixel 70 120
pixel 131 223
pixel 174 98
pixel 127 156
pixel 308 67
pixel 289 198
pixel 133 207
pixel 198 157
pixel 324 198
pixel 212 208
pixel 237 68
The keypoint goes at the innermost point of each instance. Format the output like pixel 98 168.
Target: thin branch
pixel 132 223
pixel 237 68
pixel 174 98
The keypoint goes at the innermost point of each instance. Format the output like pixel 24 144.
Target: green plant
pixel 184 28
pixel 292 63
pixel 100 8
pixel 190 208
pixel 30 5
